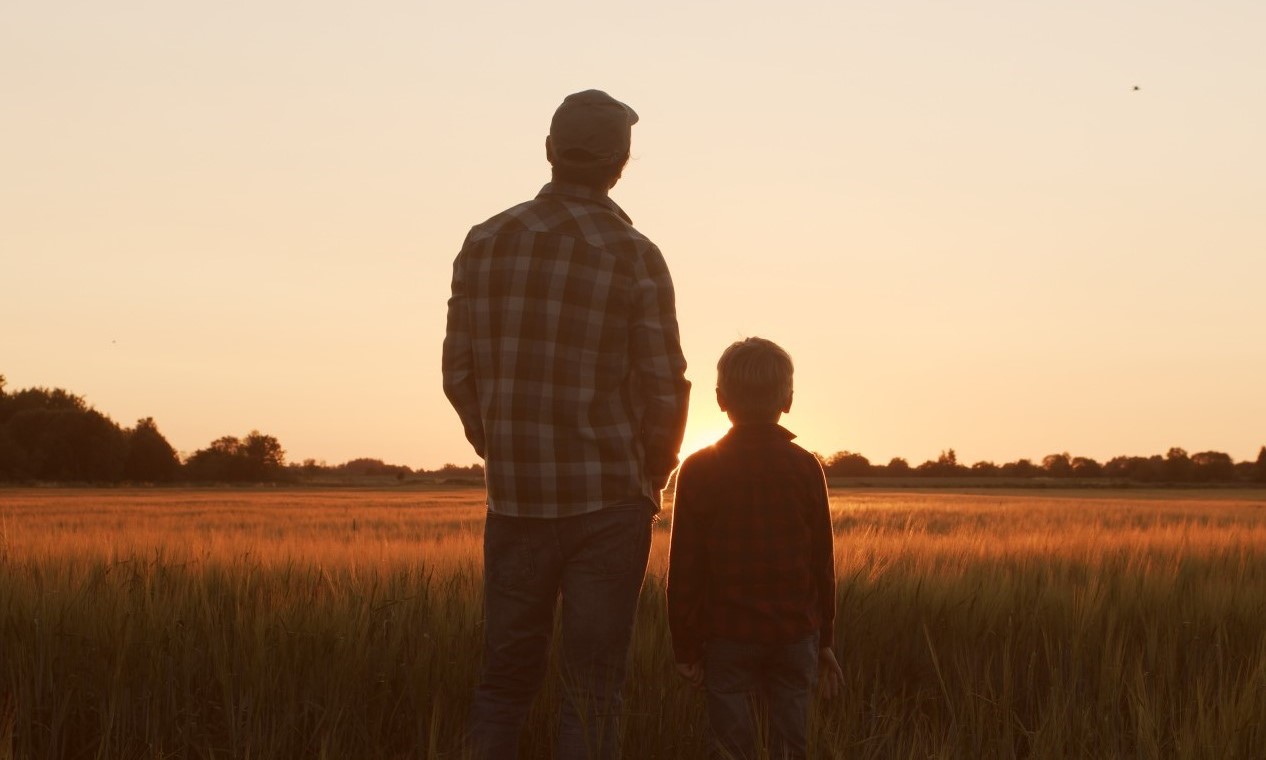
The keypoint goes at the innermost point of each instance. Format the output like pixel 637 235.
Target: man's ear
pixel 549 150
pixel 721 401
pixel 787 406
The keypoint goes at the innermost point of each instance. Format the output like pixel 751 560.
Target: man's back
pixel 562 355
pixel 563 360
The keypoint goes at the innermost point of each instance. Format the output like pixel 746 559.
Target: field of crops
pixel 344 623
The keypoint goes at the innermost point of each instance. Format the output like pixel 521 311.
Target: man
pixel 563 360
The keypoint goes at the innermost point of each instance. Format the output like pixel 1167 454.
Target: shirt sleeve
pixel 687 562
pixel 459 364
pixel 823 558
pixel 659 364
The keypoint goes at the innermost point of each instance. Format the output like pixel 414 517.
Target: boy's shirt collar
pixel 750 430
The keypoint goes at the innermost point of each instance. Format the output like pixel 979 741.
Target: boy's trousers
pixel 756 691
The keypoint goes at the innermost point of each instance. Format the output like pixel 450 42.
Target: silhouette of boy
pixel 751 579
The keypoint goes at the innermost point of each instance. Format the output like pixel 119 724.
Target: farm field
pixel 344 623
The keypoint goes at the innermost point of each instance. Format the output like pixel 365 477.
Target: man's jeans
pixel 766 684
pixel 596 562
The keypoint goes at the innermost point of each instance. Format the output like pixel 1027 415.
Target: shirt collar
pixel 582 193
pixel 758 430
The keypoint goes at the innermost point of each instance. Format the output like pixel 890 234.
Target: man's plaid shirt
pixel 562 356
pixel 751 557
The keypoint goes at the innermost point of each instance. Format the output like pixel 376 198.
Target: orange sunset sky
pixel 962 219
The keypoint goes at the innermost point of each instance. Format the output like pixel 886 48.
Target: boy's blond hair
pixel 754 376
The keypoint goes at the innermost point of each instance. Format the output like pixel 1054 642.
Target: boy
pixel 751 579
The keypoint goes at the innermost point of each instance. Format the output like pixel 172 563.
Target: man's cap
pixel 591 128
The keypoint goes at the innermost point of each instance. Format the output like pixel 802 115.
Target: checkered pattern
pixel 751 557
pixel 562 356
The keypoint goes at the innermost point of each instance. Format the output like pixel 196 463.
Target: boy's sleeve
pixel 687 560
pixel 824 559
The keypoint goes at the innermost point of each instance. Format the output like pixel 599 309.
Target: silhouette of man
pixel 563 360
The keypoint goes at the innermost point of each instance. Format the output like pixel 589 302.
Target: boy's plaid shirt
pixel 562 356
pixel 751 557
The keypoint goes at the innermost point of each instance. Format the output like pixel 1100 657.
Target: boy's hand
pixel 692 672
pixel 830 674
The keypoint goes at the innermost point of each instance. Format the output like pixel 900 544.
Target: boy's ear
pixel 787 406
pixel 721 401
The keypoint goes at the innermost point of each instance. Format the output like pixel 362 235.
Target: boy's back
pixel 751 545
pixel 751 572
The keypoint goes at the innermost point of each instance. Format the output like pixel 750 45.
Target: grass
pixel 339 624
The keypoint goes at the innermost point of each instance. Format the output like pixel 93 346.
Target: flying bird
pixel 1136 87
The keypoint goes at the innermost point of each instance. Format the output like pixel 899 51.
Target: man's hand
pixel 692 672
pixel 830 674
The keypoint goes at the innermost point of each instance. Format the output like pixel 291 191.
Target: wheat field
pixel 345 623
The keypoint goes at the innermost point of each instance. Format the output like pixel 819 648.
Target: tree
pixel 264 455
pixel 1020 468
pixel 13 465
pixel 946 464
pixel 847 464
pixel 1178 466
pixel 150 458
pixel 1141 469
pixel 985 468
pixel 897 466
pixel 1085 467
pixel 66 443
pixel 1212 467
pixel 256 458
pixel 1058 465
pixel 51 434
pixel 1260 470
pixel 1246 470
pixel 373 468
pixel 27 399
pixel 220 461
pixel 450 470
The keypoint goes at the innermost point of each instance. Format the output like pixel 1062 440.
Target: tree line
pixel 52 435
pixel 1176 466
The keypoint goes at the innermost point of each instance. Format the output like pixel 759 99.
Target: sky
pixel 1008 228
